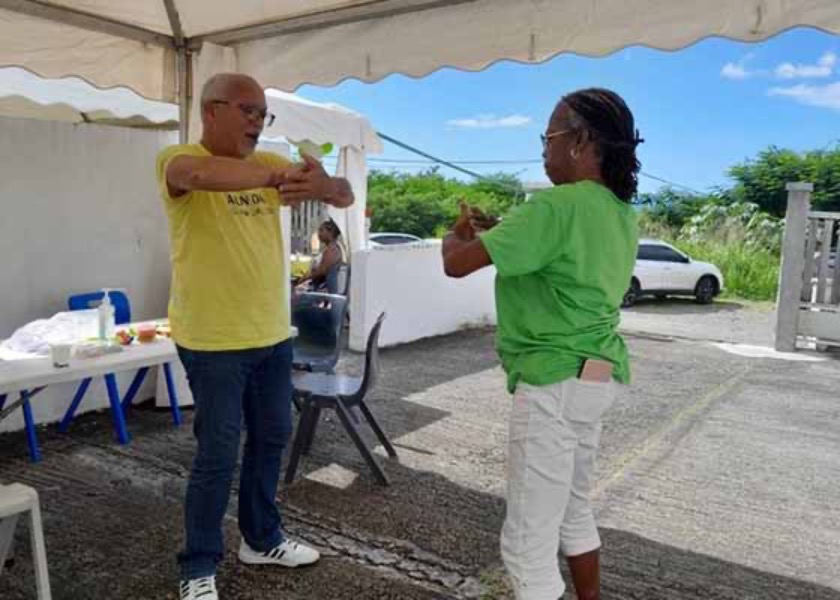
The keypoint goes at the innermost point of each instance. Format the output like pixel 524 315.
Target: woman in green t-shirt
pixel 564 260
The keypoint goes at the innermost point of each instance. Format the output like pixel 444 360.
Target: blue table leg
pixel 77 399
pixel 116 409
pixel 29 422
pixel 134 387
pixel 173 394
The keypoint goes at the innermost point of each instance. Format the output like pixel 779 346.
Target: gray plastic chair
pixel 341 393
pixel 319 319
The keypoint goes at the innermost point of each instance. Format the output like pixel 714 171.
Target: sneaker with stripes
pixel 287 554
pixel 201 588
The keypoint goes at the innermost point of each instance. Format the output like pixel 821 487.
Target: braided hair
pixel 611 124
pixel 332 227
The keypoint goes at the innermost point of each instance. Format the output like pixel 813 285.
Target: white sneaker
pixel 202 588
pixel 288 554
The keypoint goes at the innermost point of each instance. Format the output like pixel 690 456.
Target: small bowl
pixel 146 333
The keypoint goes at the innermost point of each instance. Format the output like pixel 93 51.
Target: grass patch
pixel 749 273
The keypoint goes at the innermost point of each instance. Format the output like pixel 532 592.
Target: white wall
pixel 409 284
pixel 81 211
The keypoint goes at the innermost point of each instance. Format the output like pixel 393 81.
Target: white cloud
pixel 734 71
pixel 738 70
pixel 490 122
pixel 824 96
pixel 823 68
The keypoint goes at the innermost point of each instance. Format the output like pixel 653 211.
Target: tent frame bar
pixel 175 23
pixel 83 20
pixel 375 9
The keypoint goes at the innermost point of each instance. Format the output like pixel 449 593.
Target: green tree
pixel 426 204
pixel 762 181
pixel 672 208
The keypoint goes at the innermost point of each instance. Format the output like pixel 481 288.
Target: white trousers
pixel 554 435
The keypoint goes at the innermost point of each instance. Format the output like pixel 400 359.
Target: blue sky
pixel 700 110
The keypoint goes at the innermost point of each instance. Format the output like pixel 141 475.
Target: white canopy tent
pixel 352 134
pixel 25 95
pixel 150 45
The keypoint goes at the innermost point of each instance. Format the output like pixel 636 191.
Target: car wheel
pixel 632 294
pixel 706 290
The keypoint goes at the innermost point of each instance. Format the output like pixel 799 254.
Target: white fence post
pixel 793 265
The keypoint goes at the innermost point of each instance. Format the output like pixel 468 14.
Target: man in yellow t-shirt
pixel 229 315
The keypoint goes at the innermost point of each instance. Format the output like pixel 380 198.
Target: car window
pixel 645 252
pixel 658 253
pixel 669 255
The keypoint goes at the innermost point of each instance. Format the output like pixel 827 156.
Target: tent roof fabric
pixel 25 95
pixel 285 43
pixel 299 119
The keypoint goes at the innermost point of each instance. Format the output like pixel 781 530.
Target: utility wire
pixel 449 164
pixel 671 183
pixel 419 152
pixel 456 165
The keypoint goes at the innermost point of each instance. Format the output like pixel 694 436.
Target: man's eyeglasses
pixel 546 137
pixel 251 112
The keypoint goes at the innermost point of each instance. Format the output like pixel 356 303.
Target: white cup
pixel 60 354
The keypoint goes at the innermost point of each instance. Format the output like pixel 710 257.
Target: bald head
pixel 233 111
pixel 224 86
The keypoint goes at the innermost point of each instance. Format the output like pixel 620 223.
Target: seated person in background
pixel 332 254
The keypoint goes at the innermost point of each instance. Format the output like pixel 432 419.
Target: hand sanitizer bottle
pixel 106 318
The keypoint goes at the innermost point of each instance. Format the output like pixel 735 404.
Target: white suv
pixel 662 270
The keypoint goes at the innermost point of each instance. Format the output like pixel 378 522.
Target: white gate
pixel 809 286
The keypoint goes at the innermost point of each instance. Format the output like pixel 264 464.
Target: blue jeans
pixel 228 385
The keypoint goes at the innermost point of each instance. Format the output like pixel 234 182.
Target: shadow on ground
pixel 113 523
pixel 113 516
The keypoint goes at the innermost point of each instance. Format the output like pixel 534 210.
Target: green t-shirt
pixel 564 261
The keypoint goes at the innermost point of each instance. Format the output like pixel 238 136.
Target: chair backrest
pixel 371 374
pixel 319 319
pixel 122 307
pixel 338 279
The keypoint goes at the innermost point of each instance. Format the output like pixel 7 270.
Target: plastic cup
pixel 61 354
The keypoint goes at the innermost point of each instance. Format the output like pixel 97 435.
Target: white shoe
pixel 288 554
pixel 201 588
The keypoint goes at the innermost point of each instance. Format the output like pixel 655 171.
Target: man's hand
pixel 310 181
pixel 283 175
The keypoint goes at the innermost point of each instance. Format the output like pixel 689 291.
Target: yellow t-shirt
pixel 228 288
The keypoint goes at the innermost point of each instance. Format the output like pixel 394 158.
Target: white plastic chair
pixel 16 499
